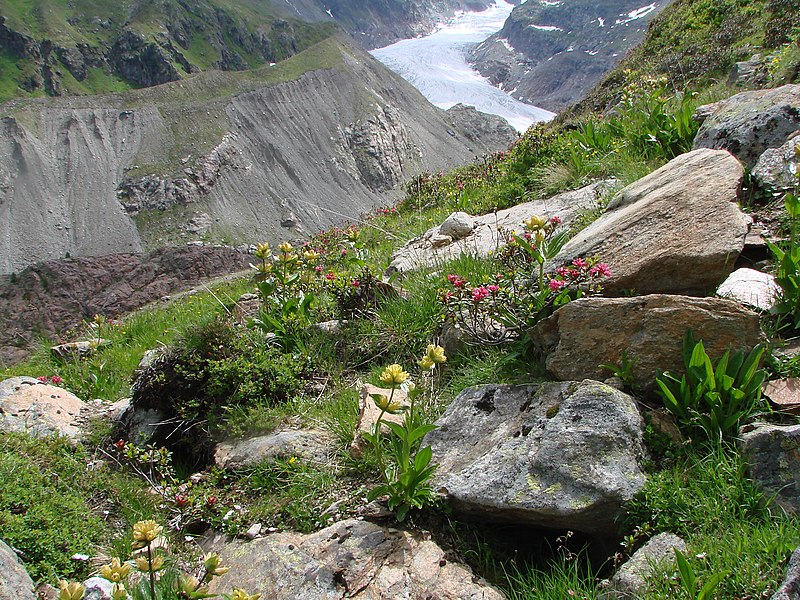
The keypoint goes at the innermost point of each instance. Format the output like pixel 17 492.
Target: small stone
pixel 254 531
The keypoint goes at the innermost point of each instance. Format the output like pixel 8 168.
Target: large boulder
pixel 559 455
pixel 771 453
pixel 584 334
pixel 751 288
pixel 351 559
pixel 40 409
pixel 675 231
pixel 749 123
pixel 790 588
pixel 449 240
pixel 14 579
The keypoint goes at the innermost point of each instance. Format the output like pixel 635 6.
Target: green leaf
pixel 420 432
pixel 711 585
pixel 687 574
pixel 422 458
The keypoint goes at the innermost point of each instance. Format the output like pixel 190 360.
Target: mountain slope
pixel 551 52
pixel 235 157
pixel 69 47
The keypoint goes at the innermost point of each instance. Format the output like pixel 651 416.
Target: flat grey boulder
pixel 586 333
pixel 351 559
pixel 15 583
pixel 676 231
pixel 750 287
pixel 790 588
pixel 560 455
pixel 749 123
pixel 310 445
pixel 771 453
pixel 630 581
pixel 437 245
pixel 776 168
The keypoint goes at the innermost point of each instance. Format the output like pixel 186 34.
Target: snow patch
pixel 546 27
pixel 591 52
pixel 602 21
pixel 639 13
pixel 330 14
pixel 550 2
pixel 507 44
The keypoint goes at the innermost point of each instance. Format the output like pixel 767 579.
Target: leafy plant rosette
pixel 522 293
pixel 713 400
pixel 787 272
pixel 406 468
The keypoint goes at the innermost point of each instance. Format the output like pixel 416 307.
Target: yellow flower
pixel 262 251
pixel 535 223
pixel 426 363
pixel 393 375
pixel 145 566
pixel 436 353
pixel 212 563
pixel 412 390
pixel 240 594
pixel 116 571
pixel 190 586
pixel 119 592
pixel 70 591
pixel 285 247
pixel 310 256
pixel 145 532
pixel 383 403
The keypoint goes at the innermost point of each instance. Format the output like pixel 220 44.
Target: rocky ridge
pixel 550 54
pixel 231 167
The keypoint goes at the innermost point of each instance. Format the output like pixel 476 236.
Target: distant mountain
pixel 75 47
pixel 551 52
pixel 233 157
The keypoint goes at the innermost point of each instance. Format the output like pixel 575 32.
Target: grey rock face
pixel 771 453
pixel 560 455
pixel 675 231
pixel 749 123
pixel 311 445
pixel 582 335
pixel 15 583
pixel 433 247
pixel 630 581
pixel 777 168
pixel 790 588
pixel 351 559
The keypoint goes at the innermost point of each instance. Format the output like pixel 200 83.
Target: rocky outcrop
pixel 312 148
pixel 771 454
pixel 558 455
pixel 586 333
pixel 750 123
pixel 675 231
pixel 630 580
pixel 490 231
pixel 57 295
pixel 14 579
pixel 776 168
pixel 351 559
pixel 550 54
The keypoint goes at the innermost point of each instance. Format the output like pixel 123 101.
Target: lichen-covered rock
pixel 351 559
pixel 458 225
pixel 312 445
pixel 630 581
pixel 676 231
pixel 776 168
pixel 584 334
pixel 749 123
pixel 772 454
pixel 561 455
pixel 15 583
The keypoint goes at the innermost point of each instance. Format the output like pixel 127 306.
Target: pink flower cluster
pixel 456 281
pixel 578 270
pixel 54 379
pixel 480 293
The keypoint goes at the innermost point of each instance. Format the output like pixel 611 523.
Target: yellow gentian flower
pixel 535 223
pixel 116 571
pixel 70 590
pixel 145 566
pixel 145 532
pixel 393 375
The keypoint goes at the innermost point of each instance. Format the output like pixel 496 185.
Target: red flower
pixel 181 500
pixel 56 379
pixel 211 500
pixel 42 378
pixel 493 288
pixel 330 275
pixel 479 293
pixel 556 284
pixel 580 263
pixel 355 283
pixel 119 445
pixel 600 269
pixel 555 220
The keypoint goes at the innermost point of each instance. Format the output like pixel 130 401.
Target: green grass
pixel 52 503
